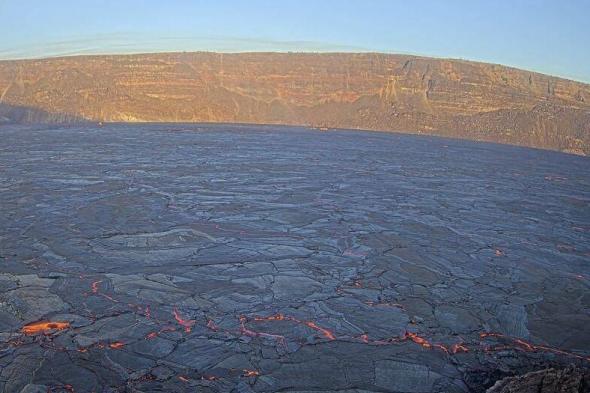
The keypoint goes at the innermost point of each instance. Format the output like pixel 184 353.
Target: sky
pixel 552 37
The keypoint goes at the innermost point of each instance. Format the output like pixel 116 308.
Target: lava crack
pixel 44 327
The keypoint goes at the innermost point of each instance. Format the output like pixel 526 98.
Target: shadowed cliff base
pixel 370 91
pixel 15 114
pixel 569 380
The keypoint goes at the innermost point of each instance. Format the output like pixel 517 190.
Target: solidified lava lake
pixel 223 258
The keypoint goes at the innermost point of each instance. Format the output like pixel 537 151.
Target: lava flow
pixel 44 327
pixel 94 288
pixel 187 324
pixel 251 373
pixel 424 342
pixel 529 347
pixel 310 324
pixel 68 388
pixel 165 329
pixel 325 332
pixel 117 345
pixel 459 347
pixel 151 335
pixel 250 333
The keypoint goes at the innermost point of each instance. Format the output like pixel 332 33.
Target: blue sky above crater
pixel 545 36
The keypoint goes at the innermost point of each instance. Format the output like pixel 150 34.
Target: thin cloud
pixel 134 42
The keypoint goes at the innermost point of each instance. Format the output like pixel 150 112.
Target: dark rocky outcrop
pixel 569 380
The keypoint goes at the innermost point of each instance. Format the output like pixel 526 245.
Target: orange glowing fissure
pixel 325 332
pixel 187 324
pixel 280 317
pixel 117 345
pixel 165 329
pixel 457 348
pixel 151 335
pixel 94 287
pixel 424 342
pixel 68 388
pixel 417 339
pixel 44 327
pixel 250 333
pixel 251 373
pixel 51 327
pixel 516 343
pixel 529 347
pixel 100 345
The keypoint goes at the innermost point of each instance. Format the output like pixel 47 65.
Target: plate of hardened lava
pixel 242 258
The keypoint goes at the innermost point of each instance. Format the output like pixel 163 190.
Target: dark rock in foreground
pixel 570 380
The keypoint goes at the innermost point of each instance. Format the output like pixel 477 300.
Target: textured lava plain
pixel 219 258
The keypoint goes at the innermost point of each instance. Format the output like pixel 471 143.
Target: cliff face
pixel 370 91
pixel 569 380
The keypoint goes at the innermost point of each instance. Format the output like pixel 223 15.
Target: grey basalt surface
pixel 222 258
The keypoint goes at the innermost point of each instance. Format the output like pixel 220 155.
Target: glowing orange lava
pixel 458 348
pixel 68 388
pixel 328 334
pixel 250 333
pixel 527 346
pixel 250 373
pixel 418 340
pixel 44 327
pixel 186 323
pixel 165 329
pixel 117 345
pixel 424 342
pixel 94 286
pixel 310 324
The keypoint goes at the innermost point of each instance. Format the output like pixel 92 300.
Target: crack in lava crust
pixel 44 327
